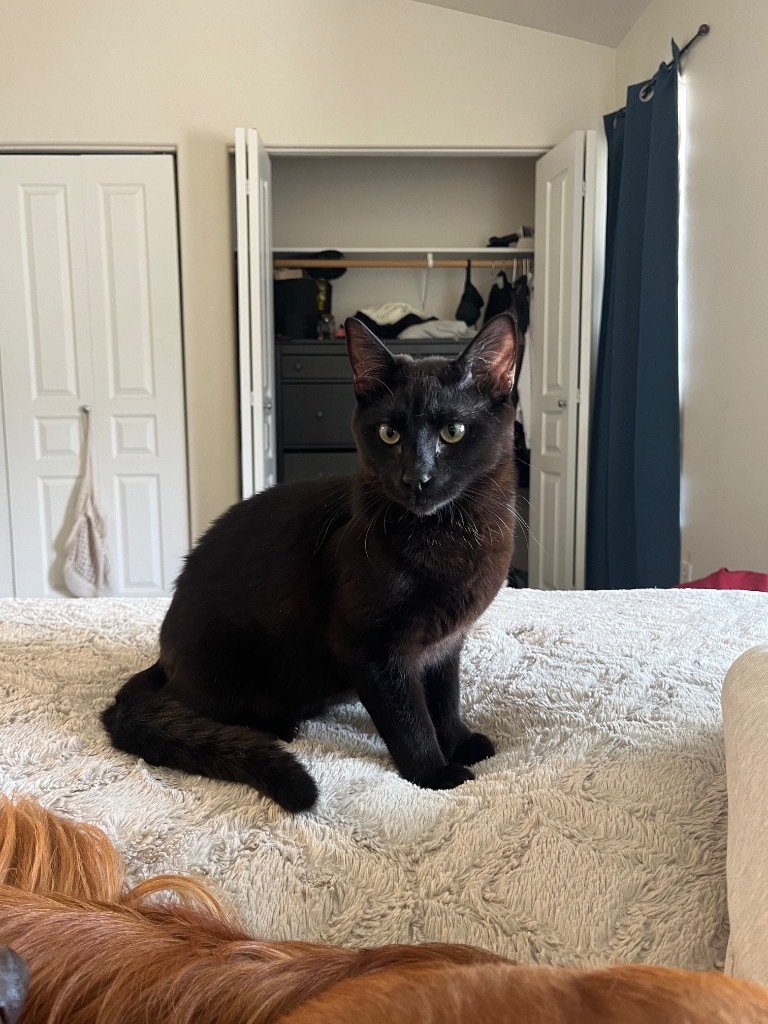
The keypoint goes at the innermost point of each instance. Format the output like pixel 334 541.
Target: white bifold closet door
pixel 256 321
pixel 6 551
pixel 89 297
pixel 564 328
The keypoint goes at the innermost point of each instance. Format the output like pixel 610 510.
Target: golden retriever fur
pixel 168 951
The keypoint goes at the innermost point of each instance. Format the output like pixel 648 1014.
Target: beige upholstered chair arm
pixel 745 723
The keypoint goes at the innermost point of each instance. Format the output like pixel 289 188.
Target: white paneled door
pixel 253 184
pixel 562 329
pixel 90 315
pixel 6 551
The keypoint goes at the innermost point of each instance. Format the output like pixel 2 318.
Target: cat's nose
pixel 416 483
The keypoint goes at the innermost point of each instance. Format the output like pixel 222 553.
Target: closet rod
pixel 421 264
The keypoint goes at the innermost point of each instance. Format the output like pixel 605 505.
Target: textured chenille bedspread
pixel 597 833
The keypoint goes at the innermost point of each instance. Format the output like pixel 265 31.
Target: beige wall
pixel 724 335
pixel 305 72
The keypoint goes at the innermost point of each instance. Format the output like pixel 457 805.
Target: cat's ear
pixel 489 360
pixel 372 362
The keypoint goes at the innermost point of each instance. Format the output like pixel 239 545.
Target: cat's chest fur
pixel 426 580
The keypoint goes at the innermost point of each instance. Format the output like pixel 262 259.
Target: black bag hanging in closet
pixel 471 301
pixel 521 300
pixel 499 298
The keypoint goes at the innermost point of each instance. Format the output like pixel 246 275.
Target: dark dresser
pixel 315 401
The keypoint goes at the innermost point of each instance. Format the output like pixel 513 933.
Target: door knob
pixel 561 403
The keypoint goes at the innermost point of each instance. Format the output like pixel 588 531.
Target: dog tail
pixel 146 722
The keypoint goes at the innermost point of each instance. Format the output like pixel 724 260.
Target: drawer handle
pixel 319 414
pixel 298 366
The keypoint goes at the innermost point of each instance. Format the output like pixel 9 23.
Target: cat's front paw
pixel 476 747
pixel 287 730
pixel 448 777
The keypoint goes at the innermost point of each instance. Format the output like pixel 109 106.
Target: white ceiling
pixel 597 21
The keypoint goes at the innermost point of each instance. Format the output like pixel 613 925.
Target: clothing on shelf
pixel 520 239
pixel 499 241
pixel 392 312
pixel 438 329
pixel 387 331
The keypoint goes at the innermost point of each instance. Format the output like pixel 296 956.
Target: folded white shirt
pixel 391 312
pixel 438 329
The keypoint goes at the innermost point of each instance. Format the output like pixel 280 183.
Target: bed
pixel 596 834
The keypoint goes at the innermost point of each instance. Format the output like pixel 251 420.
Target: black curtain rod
pixel 703 31
pixel 647 91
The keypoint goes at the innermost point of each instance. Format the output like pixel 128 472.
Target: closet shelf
pixel 418 257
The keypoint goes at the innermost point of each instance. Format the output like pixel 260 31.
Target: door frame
pixel 7 567
pixel 41 149
pixel 436 151
pixel 592 250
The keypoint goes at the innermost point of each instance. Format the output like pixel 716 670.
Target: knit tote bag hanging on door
pixel 86 558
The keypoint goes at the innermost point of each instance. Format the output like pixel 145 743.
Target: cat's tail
pixel 146 722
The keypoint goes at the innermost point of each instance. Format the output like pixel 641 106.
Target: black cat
pixel 308 594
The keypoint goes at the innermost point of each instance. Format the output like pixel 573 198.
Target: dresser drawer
pixel 317 415
pixel 317 465
pixel 315 367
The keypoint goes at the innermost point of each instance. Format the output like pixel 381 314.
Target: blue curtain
pixel 633 524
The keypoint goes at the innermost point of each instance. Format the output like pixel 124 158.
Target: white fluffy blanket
pixel 596 834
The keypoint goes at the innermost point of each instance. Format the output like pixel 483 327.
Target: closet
pixel 406 222
pixel 91 326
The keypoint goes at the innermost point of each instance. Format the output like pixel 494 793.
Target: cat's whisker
pixel 491 504
pixel 376 380
pixel 336 506
pixel 498 487
pixel 490 500
pixel 367 505
pixel 523 501
pixel 381 507
pixel 529 535
pixel 502 525
pixel 526 532
pixel 468 524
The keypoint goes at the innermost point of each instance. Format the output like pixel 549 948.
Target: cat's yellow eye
pixel 388 434
pixel 453 432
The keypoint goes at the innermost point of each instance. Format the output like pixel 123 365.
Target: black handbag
pixel 500 298
pixel 471 301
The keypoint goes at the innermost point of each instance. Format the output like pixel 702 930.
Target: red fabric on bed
pixel 724 579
